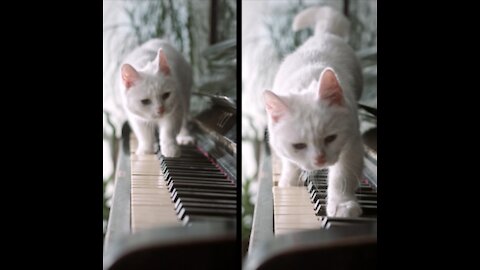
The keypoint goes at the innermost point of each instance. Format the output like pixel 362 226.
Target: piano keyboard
pixel 304 207
pixel 151 205
pixel 168 192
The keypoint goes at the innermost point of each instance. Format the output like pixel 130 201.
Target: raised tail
pixel 322 19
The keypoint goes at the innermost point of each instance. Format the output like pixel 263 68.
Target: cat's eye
pixel 165 96
pixel 299 146
pixel 146 101
pixel 330 139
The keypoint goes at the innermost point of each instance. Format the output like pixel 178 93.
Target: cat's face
pixel 310 129
pixel 151 93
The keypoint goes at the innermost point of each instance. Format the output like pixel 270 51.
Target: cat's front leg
pixel 290 175
pixel 343 179
pixel 168 145
pixel 145 136
pixel 184 137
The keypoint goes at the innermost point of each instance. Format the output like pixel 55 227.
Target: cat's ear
pixel 162 62
pixel 329 88
pixel 129 75
pixel 275 107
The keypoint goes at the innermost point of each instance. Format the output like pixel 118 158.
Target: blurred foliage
pixel 226 20
pixel 247 214
pixel 280 31
pixel 222 61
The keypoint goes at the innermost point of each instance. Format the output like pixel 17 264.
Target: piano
pixel 292 231
pixel 178 212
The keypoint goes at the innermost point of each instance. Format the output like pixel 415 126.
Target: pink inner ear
pixel 330 89
pixel 129 75
pixel 164 67
pixel 275 107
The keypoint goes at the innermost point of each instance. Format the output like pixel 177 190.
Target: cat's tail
pixel 322 19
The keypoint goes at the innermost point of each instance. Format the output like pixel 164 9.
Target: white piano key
pixel 151 204
pixel 293 210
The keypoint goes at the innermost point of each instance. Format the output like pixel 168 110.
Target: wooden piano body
pixel 291 232
pixel 177 212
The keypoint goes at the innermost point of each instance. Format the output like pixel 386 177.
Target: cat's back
pixel 306 63
pixel 147 52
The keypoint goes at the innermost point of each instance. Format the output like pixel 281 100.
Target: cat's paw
pixel 171 150
pixel 185 140
pixel 343 209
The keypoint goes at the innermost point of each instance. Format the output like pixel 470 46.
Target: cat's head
pixel 150 93
pixel 312 127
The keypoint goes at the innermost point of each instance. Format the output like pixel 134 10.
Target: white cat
pixel 312 111
pixel 155 89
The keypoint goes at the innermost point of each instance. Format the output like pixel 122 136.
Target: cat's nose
pixel 161 110
pixel 320 159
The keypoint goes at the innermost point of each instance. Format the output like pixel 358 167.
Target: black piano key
pixel 188 169
pixel 195 183
pixel 205 218
pixel 317 195
pixel 363 203
pixel 369 210
pixel 206 212
pixel 190 164
pixel 329 222
pixel 321 210
pixel 201 186
pixel 201 181
pixel 361 196
pixel 197 174
pixel 316 185
pixel 206 179
pixel 213 182
pixel 201 200
pixel 198 194
pixel 200 189
pixel 202 193
pixel 187 161
pixel 186 206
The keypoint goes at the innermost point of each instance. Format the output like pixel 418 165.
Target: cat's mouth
pixel 159 115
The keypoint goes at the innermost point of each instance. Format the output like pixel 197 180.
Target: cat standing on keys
pixel 312 111
pixel 155 86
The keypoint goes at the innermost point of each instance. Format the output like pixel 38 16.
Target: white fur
pixel 304 116
pixel 152 83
